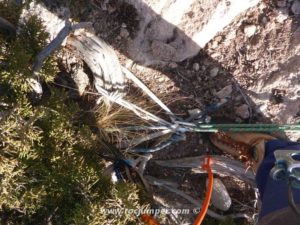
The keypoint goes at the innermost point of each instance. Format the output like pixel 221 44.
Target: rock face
pixel 180 28
pixel 81 80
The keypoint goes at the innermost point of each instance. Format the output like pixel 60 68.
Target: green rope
pixel 247 127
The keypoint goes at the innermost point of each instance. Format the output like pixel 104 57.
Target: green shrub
pixel 50 167
pixel 10 11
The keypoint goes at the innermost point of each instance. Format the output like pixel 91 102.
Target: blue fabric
pixel 274 194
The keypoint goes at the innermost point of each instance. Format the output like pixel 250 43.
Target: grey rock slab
pixel 220 197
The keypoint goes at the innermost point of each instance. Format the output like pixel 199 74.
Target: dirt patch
pixel 264 64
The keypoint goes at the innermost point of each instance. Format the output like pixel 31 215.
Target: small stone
pixel 173 65
pixel 243 111
pixel 214 72
pixel 214 44
pixel 218 38
pixel 196 66
pixel 220 197
pixel 161 79
pixel 194 112
pixel 207 119
pixel 231 35
pixel 250 30
pixel 264 19
pixel 262 108
pixel 281 17
pixel 238 120
pixel 225 92
pixel 262 6
pixel 222 102
pixel 124 32
pixel 296 7
pixel 200 141
pixel 215 55
pixel 129 64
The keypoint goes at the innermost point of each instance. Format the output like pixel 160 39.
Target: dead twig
pixel 101 59
pixel 48 50
pixel 183 77
pixel 56 43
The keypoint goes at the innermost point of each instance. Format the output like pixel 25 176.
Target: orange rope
pixel 149 220
pixel 205 205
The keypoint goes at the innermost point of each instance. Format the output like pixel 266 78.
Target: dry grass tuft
pixel 112 120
